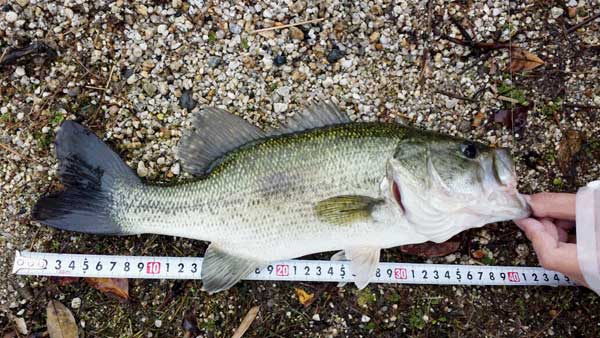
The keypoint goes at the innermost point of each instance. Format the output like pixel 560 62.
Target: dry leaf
pixel 569 147
pixel 478 119
pixel 60 321
pixel 304 297
pixel 478 254
pixel 118 287
pixel 246 322
pixel 431 249
pixel 522 60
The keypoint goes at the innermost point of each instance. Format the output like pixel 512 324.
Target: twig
pixel 507 99
pixel 583 23
pixel 246 322
pixel 286 26
pixel 479 45
pixel 580 106
pixel 456 96
pixel 12 151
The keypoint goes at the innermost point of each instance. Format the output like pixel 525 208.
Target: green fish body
pixel 321 183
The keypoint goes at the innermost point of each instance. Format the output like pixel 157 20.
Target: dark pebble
pixel 334 55
pixel 187 100
pixel 279 60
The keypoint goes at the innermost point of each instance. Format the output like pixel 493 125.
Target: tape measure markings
pixel 78 265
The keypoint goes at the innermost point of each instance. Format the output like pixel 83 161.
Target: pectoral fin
pixel 221 270
pixel 364 261
pixel 345 209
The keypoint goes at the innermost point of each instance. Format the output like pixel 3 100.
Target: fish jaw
pixel 438 213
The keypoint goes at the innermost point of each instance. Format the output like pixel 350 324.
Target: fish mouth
pixel 397 195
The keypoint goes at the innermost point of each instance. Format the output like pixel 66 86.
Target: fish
pixel 318 183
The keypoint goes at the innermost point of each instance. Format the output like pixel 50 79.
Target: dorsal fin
pixel 214 132
pixel 318 114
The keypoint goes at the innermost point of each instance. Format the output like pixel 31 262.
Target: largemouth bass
pixel 320 183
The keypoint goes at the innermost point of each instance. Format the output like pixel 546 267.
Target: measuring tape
pixel 77 265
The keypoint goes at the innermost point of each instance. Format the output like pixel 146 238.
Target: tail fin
pixel 90 171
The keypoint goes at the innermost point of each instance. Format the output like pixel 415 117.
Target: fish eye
pixel 468 149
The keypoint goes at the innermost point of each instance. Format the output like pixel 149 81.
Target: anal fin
pixel 364 262
pixel 221 270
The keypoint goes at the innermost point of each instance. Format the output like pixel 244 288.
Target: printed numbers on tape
pixel 75 265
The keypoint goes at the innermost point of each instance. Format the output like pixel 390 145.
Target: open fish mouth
pixel 396 192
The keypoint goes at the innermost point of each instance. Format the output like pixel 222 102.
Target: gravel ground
pixel 134 71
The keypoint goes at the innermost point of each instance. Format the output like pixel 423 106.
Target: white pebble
pixel 451 103
pixel 76 303
pixel 316 317
pixel 556 12
pixel 158 323
pixel 365 319
pixel 142 171
pixel 20 71
pixel 280 107
pixel 162 29
pixel 132 79
pixel 11 16
pixel 176 169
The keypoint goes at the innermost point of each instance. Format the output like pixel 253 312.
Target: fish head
pixel 444 185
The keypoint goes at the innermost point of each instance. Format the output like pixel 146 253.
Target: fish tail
pixel 92 175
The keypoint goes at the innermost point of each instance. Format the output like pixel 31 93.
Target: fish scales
pixel 264 193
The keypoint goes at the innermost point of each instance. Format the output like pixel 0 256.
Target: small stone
pixel 69 13
pixel 187 101
pixel 556 12
pixel 235 28
pixel 76 303
pixel 267 34
pixel 20 71
pixel 298 76
pixel 346 63
pixel 365 319
pixel 334 55
pixel 148 65
pixel 23 3
pixel 142 10
pixel 132 79
pixel 158 323
pixel 162 29
pixel 283 91
pixel 451 103
pixel 21 326
pixel 296 33
pixel 280 107
pixel 572 3
pixel 279 60
pixel 142 171
pixel 11 16
pixel 572 12
pixel 374 37
pixel 316 317
pixel 176 169
pixel 149 88
pixel 213 61
pixel 176 4
pixel 496 11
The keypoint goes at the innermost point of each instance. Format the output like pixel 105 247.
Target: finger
pixel 550 228
pixel 564 224
pixel 555 205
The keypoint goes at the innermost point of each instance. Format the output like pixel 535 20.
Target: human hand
pixel 554 214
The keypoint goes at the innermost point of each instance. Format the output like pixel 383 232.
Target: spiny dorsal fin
pixel 346 209
pixel 214 133
pixel 317 115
